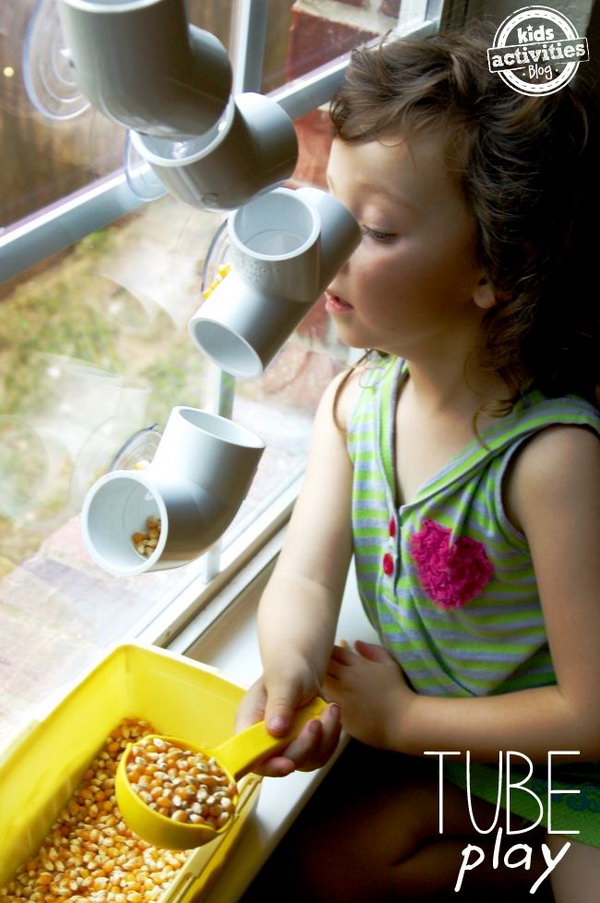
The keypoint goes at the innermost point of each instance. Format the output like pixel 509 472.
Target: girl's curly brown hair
pixel 528 168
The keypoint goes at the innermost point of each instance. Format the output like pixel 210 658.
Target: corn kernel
pixel 89 853
pixel 181 782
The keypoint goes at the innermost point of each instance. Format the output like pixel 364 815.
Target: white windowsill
pixel 233 648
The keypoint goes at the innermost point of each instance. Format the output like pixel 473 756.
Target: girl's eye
pixel 377 235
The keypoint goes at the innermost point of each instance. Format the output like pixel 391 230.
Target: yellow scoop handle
pixel 241 751
pixel 236 756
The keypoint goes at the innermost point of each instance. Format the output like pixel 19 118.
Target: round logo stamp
pixel 537 50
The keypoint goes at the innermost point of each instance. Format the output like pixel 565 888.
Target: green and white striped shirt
pixel 447 580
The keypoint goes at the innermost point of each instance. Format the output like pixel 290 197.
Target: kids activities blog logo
pixel 537 50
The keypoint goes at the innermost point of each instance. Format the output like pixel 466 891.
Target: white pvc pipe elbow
pixel 141 64
pixel 198 478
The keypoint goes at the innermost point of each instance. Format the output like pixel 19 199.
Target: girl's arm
pixel 554 496
pixel 298 611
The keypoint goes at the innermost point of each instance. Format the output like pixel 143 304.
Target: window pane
pixel 305 34
pixel 94 349
pixel 52 142
pixel 95 353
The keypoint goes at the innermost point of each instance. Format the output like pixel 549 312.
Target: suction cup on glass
pixel 138 451
pixel 141 178
pixel 111 447
pixel 47 72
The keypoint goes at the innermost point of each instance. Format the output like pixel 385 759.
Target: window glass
pixel 94 354
pixel 306 34
pixel 52 142
pixel 94 351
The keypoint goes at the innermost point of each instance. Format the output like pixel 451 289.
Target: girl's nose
pixel 332 288
pixel 343 270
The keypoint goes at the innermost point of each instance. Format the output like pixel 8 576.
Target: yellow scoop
pixel 234 758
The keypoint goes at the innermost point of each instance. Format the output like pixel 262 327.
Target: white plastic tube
pixel 141 64
pixel 252 148
pixel 286 246
pixel 197 480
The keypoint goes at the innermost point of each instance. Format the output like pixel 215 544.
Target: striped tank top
pixel 447 580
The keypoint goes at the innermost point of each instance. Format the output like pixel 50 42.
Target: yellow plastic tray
pixel 42 769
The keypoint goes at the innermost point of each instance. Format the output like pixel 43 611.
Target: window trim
pixel 64 223
pixel 249 24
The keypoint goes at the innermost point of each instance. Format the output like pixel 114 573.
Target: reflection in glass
pixel 306 34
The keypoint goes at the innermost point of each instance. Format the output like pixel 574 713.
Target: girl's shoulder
pixel 359 383
pixel 560 461
pixel 346 389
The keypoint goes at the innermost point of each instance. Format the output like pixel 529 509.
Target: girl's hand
pixel 315 743
pixel 371 690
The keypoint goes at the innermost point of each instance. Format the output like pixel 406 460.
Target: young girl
pixel 460 465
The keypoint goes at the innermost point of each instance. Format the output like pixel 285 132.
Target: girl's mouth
pixel 335 304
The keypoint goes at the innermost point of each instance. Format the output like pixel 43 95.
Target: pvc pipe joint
pixel 198 478
pixel 286 247
pixel 252 148
pixel 141 64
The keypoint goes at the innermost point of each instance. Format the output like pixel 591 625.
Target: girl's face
pixel 413 285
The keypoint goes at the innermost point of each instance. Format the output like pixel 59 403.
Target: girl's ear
pixel 484 295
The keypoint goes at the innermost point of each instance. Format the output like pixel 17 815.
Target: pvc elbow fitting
pixel 141 64
pixel 197 480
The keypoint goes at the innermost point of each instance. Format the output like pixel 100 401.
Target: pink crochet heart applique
pixel 451 574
